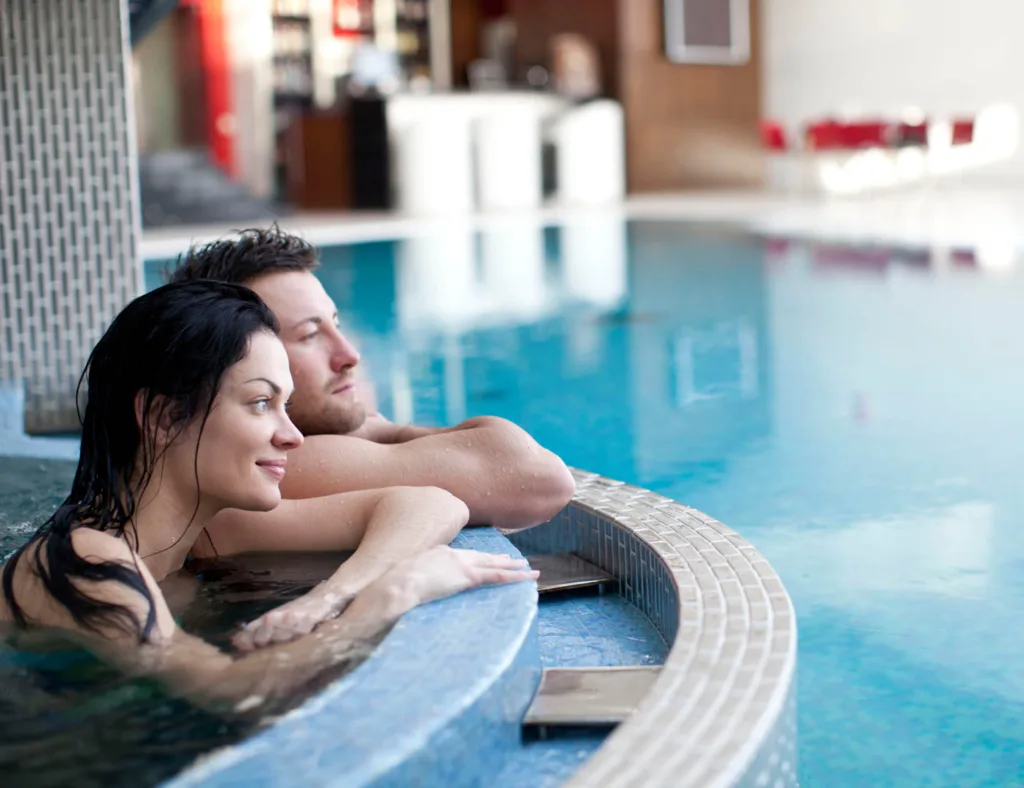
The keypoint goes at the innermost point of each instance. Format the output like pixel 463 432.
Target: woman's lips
pixel 273 468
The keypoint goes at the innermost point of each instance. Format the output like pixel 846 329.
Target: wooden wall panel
pixel 687 126
pixel 538 20
pixel 467 21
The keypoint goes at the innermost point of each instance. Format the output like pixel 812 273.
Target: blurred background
pixel 253 108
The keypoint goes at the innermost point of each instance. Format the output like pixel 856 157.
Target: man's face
pixel 322 360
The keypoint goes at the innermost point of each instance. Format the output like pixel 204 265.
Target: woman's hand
pixel 289 621
pixel 434 574
pixel 443 571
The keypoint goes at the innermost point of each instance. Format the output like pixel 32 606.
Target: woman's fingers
pixel 276 626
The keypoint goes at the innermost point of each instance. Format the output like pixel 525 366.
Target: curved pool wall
pixel 723 710
pixel 440 701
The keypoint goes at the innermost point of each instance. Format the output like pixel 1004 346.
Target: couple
pixel 225 419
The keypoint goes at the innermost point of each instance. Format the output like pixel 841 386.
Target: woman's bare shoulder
pixel 28 588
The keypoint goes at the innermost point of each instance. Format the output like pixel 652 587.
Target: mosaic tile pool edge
pixel 724 703
pixel 457 674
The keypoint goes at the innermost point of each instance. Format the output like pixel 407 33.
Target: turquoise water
pixel 859 422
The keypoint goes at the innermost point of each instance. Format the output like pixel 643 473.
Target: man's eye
pixel 308 337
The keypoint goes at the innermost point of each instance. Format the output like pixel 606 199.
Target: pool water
pixel 854 413
pixel 66 719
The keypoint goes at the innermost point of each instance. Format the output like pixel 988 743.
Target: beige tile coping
pixel 721 712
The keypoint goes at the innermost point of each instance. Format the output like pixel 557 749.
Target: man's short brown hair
pixel 251 254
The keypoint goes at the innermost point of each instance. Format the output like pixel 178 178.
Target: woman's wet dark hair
pixel 172 345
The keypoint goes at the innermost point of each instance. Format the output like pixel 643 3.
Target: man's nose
pixel 344 355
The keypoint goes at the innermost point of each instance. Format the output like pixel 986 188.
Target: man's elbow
pixel 551 486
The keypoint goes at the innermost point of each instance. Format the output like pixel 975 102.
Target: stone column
pixel 69 218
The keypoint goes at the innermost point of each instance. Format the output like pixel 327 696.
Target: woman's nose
pixel 288 436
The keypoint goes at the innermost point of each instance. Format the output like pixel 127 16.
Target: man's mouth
pixel 343 388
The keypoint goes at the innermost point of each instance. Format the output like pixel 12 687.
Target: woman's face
pixel 243 445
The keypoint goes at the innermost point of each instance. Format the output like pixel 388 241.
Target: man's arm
pixel 505 478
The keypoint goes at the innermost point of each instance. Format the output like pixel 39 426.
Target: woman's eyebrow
pixel 272 384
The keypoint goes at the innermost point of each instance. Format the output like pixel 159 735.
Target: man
pixel 505 478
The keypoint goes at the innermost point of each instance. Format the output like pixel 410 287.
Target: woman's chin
pixel 262 501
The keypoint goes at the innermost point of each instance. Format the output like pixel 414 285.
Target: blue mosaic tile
pixel 441 698
pixel 551 762
pixel 596 630
pixel 645 581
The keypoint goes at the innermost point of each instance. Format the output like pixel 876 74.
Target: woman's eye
pixel 308 337
pixel 261 405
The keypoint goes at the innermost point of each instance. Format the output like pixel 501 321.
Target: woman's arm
pixel 213 679
pixel 382 526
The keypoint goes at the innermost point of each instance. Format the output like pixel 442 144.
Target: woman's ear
pixel 153 417
pixel 140 408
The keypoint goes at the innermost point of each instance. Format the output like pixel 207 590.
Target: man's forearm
pixel 530 484
pixel 502 474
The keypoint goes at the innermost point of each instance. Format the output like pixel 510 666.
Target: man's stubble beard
pixel 330 421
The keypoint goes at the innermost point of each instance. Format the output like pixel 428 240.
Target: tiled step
pixel 567 572
pixel 589 696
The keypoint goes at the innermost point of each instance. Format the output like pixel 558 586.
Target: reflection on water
pixel 853 411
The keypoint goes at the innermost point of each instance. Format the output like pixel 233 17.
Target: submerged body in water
pixel 68 719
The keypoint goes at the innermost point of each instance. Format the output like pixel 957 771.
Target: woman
pixel 186 418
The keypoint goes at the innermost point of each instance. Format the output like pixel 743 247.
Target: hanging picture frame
pixel 707 31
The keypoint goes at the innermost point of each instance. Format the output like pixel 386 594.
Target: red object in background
pixel 824 135
pixel 832 135
pixel 867 134
pixel 912 134
pixel 964 257
pixel 351 18
pixel 773 136
pixel 826 256
pixel 963 132
pixel 216 70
